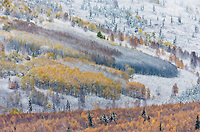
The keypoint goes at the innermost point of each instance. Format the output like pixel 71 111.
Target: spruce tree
pixel 169 49
pixel 160 127
pixel 87 125
pixel 105 119
pixel 90 120
pixel 99 34
pixel 148 118
pixel 68 129
pixel 68 106
pixel 101 120
pixel 30 105
pixel 115 29
pixel 113 117
pixel 171 19
pixel 54 108
pixel 154 9
pixel 144 112
pixel 197 123
pixel 144 115
pixel 179 20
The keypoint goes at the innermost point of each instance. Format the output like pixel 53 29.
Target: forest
pixel 167 117
pixel 98 66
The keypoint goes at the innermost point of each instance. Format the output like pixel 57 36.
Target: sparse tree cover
pixel 172 117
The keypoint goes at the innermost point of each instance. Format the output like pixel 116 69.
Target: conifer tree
pixel 68 106
pixel 113 117
pixel 154 8
pixel 30 105
pixel 179 20
pixel 197 123
pixel 68 129
pixel 169 49
pixel 144 115
pixel 90 120
pixel 160 127
pixel 144 112
pixel 115 29
pixel 87 125
pixel 54 108
pixel 148 118
pixel 105 119
pixel 171 20
pixel 101 120
pixel 99 34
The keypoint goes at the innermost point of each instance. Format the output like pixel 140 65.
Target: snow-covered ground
pixel 167 9
pixel 163 86
pixel 165 12
pixel 89 99
pixel 192 94
pixel 157 85
pixel 160 87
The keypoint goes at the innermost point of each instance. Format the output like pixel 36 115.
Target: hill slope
pixel 173 117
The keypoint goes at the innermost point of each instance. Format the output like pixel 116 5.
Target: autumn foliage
pixel 137 90
pixel 70 80
pixel 173 117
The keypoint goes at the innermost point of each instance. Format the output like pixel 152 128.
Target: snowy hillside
pixel 108 12
pixel 53 49
pixel 172 22
pixel 161 88
pixel 190 95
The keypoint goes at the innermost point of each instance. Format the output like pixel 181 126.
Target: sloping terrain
pixel 167 117
pixel 191 94
pixel 54 50
pixel 142 63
